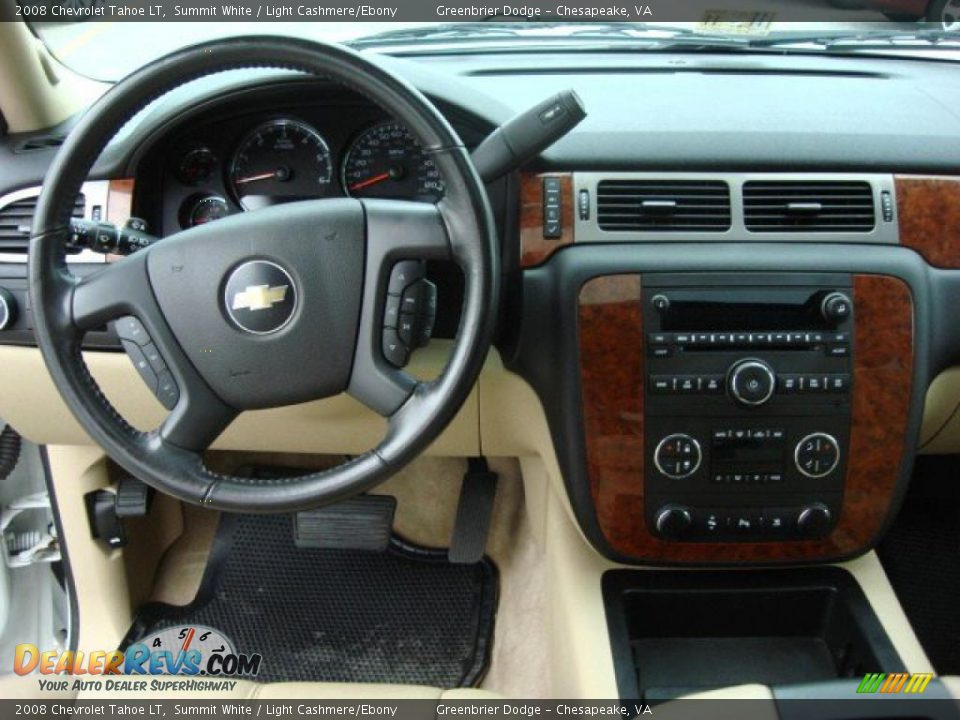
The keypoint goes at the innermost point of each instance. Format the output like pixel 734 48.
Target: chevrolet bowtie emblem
pixel 259 297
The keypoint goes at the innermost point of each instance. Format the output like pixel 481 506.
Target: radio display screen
pixel 760 455
pixel 785 310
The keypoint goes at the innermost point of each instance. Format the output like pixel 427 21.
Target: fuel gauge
pixel 201 209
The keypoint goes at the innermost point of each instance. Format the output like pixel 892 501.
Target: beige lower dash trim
pixel 338 424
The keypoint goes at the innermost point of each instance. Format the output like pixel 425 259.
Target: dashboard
pixel 666 271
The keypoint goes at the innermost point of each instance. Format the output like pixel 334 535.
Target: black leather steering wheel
pixel 334 255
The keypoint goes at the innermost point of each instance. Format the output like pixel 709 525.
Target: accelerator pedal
pixel 364 522
pixel 474 510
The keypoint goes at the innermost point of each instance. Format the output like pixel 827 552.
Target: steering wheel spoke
pixel 399 236
pixel 119 289
pixel 198 418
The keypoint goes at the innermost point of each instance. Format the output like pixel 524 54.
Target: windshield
pixel 109 50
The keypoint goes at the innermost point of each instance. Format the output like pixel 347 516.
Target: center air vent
pixel 663 205
pixel 814 206
pixel 16 220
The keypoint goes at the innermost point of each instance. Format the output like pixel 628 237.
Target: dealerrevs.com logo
pixel 182 650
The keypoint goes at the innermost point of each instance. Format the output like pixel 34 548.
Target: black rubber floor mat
pixel 921 554
pixel 405 615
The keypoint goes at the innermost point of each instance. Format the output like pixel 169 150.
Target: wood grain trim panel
pixel 928 208
pixel 534 248
pixel 119 206
pixel 611 342
pixel 119 201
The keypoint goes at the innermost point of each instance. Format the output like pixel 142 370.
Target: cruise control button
pixel 154 357
pixel 167 391
pixel 130 328
pixel 142 365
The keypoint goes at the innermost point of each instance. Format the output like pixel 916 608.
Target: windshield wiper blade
pixel 894 39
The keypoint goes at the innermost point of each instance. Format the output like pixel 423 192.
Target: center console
pixel 747 424
pixel 744 417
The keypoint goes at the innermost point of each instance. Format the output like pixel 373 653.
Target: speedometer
pixel 386 161
pixel 280 161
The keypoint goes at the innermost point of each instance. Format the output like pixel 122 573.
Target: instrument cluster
pixel 239 165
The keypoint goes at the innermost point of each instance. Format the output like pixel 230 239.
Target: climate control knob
pixel 814 520
pixel 8 308
pixel 673 521
pixel 817 455
pixel 751 382
pixel 677 456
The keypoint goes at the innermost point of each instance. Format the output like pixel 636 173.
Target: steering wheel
pixel 268 308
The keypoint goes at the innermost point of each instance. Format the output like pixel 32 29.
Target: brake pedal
pixel 474 511
pixel 359 523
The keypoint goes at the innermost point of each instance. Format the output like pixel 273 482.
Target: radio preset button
pixel 677 456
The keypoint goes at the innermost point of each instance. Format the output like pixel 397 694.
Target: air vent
pixel 663 205
pixel 814 206
pixel 16 219
pixel 40 142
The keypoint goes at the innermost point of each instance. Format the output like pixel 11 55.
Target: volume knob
pixel 751 382
pixel 835 307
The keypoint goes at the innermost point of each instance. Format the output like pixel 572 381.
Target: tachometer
pixel 386 161
pixel 280 161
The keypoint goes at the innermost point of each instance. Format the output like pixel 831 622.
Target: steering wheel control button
pixel 260 297
pixel 391 311
pixel 153 357
pixel 817 455
pixel 403 274
pixel 677 456
pixel 409 312
pixel 130 328
pixel 142 365
pixel 394 350
pixel 167 391
pixel 751 382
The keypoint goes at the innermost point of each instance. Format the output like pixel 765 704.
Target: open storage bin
pixel 675 633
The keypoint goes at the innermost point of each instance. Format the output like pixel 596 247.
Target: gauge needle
pixel 370 181
pixel 252 178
